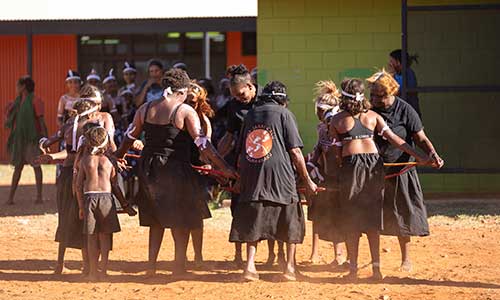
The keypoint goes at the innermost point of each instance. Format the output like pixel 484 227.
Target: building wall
pixel 53 55
pixel 13 65
pixel 301 42
pixel 234 51
pixel 458 48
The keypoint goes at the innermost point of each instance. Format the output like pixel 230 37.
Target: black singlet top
pixel 166 139
pixel 358 132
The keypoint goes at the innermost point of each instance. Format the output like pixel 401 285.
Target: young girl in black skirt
pixel 322 168
pixel 69 232
pixel 197 98
pixel 361 171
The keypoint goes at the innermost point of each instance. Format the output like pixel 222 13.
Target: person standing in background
pixel 129 76
pixel 151 89
pixel 396 67
pixel 27 125
pixel 65 105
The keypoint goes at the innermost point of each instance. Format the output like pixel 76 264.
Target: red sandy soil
pixel 460 260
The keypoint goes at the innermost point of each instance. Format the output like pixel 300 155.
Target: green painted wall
pixel 302 42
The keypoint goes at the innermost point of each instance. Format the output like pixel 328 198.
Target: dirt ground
pixel 460 260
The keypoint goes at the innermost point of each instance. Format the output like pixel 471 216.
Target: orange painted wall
pixel 12 66
pixel 53 55
pixel 233 50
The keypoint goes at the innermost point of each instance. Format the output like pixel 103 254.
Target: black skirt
pixel 171 194
pixel 405 213
pixel 326 213
pixel 70 227
pixel 361 192
pixel 264 220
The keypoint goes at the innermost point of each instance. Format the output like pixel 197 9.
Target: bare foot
pixel 150 273
pixel 58 270
pixel 93 277
pixel 270 259
pixel 313 260
pixel 181 274
pixel 377 276
pixel 198 262
pixel 406 266
pixel 250 276
pixel 238 262
pixel 282 261
pixel 103 276
pixel 10 202
pixel 352 276
pixel 290 275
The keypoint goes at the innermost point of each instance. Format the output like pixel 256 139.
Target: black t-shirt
pixel 269 132
pixel 404 122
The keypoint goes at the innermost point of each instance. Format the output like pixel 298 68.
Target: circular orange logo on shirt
pixel 259 143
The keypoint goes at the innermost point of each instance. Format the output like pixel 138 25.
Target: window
pixel 249 43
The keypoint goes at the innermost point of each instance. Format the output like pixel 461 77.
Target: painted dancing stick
pixel 410 163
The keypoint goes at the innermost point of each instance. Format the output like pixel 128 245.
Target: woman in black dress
pixel 362 172
pixel 405 214
pixel 168 183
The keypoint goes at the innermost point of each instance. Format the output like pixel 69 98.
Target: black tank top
pixel 358 131
pixel 166 139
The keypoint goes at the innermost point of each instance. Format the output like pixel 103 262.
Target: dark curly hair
pixel 353 86
pixel 176 79
pixel 238 74
pixel 398 55
pixel 28 83
pixel 81 106
pixel 89 126
pixel 90 91
pixel 95 136
pixel 274 87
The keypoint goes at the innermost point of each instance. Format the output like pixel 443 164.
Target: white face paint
pixel 202 142
pixel 130 130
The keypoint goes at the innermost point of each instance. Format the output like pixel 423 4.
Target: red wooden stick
pixel 131 155
pixel 404 170
pixel 209 171
pixel 319 189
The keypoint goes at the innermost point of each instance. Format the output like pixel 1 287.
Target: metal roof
pixel 60 10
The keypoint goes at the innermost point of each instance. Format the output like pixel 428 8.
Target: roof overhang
pixel 125 16
pixel 59 10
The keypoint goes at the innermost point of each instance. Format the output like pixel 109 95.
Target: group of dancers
pixel 346 179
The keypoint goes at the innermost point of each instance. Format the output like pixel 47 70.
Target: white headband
pixel 378 75
pixel 273 93
pixel 72 76
pixel 332 112
pixel 168 91
pixel 126 91
pixel 324 106
pixel 93 76
pixel 128 68
pixel 104 143
pixel 74 146
pixel 357 97
pixel 109 77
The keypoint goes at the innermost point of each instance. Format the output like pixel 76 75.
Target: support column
pixel 206 54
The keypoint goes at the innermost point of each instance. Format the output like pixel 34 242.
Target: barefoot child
pixel 96 180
